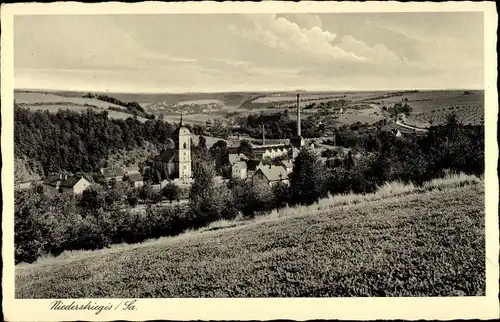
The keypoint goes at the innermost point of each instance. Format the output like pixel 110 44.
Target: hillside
pixel 53 102
pixel 420 243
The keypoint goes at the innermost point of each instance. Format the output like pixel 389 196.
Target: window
pixel 184 145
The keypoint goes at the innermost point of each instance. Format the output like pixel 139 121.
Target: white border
pixel 259 309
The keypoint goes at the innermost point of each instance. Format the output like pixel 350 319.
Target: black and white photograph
pixel 282 154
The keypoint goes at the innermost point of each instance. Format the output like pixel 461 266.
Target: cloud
pixel 308 21
pixel 307 38
pixel 48 42
pixel 377 53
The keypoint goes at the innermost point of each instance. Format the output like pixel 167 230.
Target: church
pixel 176 163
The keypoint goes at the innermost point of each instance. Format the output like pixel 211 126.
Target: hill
pixel 54 102
pixel 422 242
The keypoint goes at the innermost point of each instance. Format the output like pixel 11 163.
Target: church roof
pixel 170 155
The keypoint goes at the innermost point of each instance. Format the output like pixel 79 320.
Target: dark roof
pixel 70 182
pixel 167 156
pixel 112 172
pixel 134 177
pixel 274 173
pixel 51 180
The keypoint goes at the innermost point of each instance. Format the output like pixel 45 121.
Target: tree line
pixel 80 142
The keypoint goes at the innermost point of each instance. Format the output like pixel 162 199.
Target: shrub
pixel 171 191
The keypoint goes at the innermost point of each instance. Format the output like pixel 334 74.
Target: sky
pixel 249 52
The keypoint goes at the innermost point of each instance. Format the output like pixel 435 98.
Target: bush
pixel 171 191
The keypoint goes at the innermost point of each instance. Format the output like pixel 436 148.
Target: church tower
pixel 184 152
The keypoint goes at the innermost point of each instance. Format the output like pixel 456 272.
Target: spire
pixel 181 123
pixel 298 116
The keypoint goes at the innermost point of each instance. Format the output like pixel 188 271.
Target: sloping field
pixel 417 244
pixel 43 98
pixel 426 101
pixel 80 108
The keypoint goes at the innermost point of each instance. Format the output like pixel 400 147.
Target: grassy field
pixel 400 241
pixel 45 98
pixel 81 108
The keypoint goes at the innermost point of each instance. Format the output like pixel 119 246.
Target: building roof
pixel 167 156
pixel 273 173
pixel 237 157
pixel 52 180
pixel 241 164
pixel 135 177
pixel 262 148
pixel 70 182
pixel 288 164
pixel 112 172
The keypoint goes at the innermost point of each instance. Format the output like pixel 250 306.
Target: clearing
pixel 422 242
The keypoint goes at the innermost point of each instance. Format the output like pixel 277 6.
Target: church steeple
pixel 181 123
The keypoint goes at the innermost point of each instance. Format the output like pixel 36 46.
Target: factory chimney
pixel 298 116
pixel 263 135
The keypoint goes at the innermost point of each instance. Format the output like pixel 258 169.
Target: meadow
pixel 81 108
pixel 399 241
pixel 46 99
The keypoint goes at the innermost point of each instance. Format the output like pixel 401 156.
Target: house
pixel 271 174
pixel 239 170
pixel 135 179
pixel 237 157
pixel 238 163
pixel 113 173
pixel 71 185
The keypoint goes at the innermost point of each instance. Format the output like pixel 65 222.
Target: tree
pixel 92 199
pixel 171 191
pixel 220 154
pixel 246 148
pixel 307 180
pixel 146 193
pixel 132 197
pixel 209 201
pixel 281 192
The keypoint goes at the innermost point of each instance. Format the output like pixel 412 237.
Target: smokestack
pixel 263 135
pixel 298 116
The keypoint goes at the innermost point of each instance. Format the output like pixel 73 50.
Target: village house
pixel 111 173
pixel 71 185
pixel 238 163
pixel 134 179
pixel 271 174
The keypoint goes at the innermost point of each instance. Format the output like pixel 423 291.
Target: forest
pixel 80 142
